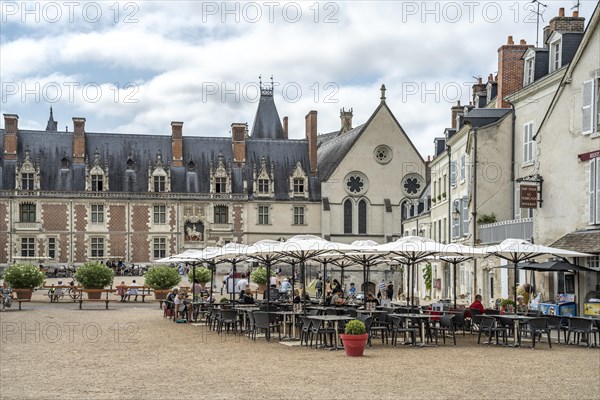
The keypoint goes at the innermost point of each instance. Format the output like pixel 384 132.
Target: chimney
pixel 177 143
pixel 311 137
pixel 546 35
pixel 285 127
pixel 477 88
pixel 565 24
pixel 238 138
pixel 510 69
pixel 456 110
pixel 11 128
pixel 346 120
pixel 78 140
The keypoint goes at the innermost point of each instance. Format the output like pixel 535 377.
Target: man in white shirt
pixel 133 291
pixel 242 285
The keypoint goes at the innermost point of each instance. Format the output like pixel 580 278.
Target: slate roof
pixel 333 151
pixel 587 241
pixel 50 147
pixel 267 124
pixel 478 117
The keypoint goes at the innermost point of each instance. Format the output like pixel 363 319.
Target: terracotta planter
pixel 94 295
pixel 261 289
pixel 161 294
pixel 354 344
pixel 23 294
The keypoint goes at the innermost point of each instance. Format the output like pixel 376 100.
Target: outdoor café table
pixel 516 320
pixel 285 315
pixel 335 319
pixel 244 310
pixel 370 312
pixel 421 318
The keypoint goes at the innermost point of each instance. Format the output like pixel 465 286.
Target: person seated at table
pixel 328 299
pixel 285 286
pixel 122 291
pixel 338 298
pixel 184 306
pixel 247 299
pixel 521 306
pixel 476 305
pixel 371 301
pixel 133 291
pixel 169 303
pixel 297 299
pixel 336 285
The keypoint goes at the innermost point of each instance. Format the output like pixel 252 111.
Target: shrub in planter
pixel 161 279
pixel 24 276
pixel 202 275
pixel 94 275
pixel 355 338
pixel 259 275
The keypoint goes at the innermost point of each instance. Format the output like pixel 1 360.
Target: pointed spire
pixel 267 124
pixel 382 93
pixel 52 125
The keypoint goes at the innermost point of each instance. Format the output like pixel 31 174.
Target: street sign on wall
pixel 529 196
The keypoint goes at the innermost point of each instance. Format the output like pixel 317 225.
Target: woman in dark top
pixel 390 291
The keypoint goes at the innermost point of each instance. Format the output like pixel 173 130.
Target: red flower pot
pixel 354 344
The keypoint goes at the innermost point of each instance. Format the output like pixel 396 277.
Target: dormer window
pixel 130 164
pixel 28 174
pixel 299 182
pixel 96 178
pixel 220 178
pixel 555 54
pixel 160 178
pixel 529 74
pixel 64 163
pixel 263 179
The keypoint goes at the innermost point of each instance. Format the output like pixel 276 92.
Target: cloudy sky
pixel 133 67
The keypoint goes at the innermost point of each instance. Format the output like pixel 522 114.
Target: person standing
pixel 389 291
pixel 319 287
pixel 242 285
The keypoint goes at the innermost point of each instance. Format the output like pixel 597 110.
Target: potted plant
pixel 161 279
pixel 444 195
pixel 23 278
pixel 202 275
pixel 507 305
pixel 355 338
pixel 94 275
pixel 259 276
pixel 439 197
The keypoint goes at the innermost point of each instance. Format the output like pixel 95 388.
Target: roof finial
pixel 260 81
pixel 51 116
pixel 272 85
pixel 382 93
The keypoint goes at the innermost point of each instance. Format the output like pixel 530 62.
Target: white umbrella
pixel 410 250
pixel 517 250
pixel 232 253
pixel 268 252
pixel 468 253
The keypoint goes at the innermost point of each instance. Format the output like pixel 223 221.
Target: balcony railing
pixel 499 231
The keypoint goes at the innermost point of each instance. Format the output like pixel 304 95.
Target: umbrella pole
pixel 193 282
pixel 324 282
pixel 268 265
pixel 212 280
pixel 364 285
pixel 515 283
pixel 293 282
pixel 408 284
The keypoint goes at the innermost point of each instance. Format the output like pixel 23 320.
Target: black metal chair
pixel 557 322
pixel 368 321
pixel 488 325
pixel 399 325
pixel 305 330
pixel 579 326
pixel 229 319
pixel 460 322
pixel 267 322
pixel 539 326
pixel 321 329
pixel 475 318
pixel 381 324
pixel 446 324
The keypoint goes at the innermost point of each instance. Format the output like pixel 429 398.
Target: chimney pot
pixel 523 42
pixel 311 137
pixel 285 127
pixel 575 14
pixel 561 12
pixel 510 40
pixel 78 140
pixel 177 143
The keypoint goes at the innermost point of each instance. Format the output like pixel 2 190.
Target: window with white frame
pixel 97 247
pixel 590 106
pixel 52 248
pixel 160 183
pixel 263 186
pixel 27 212
pixel 97 213
pixel 97 183
pixel 594 262
pixel 160 214
pixel 220 185
pixel 529 71
pixel 555 55
pixel 221 215
pixel 263 215
pixel 28 247
pixel 528 143
pixel 159 248
pixel 594 193
pixel 298 215
pixel 298 186
pixel 27 181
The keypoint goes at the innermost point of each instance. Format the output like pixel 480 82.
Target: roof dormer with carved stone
pixel 159 176
pixel 28 174
pixel 96 176
pixel 263 180
pixel 298 182
pixel 220 178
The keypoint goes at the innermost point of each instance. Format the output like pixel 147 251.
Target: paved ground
pixel 56 351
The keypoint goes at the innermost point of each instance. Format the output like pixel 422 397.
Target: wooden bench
pixel 143 291
pixel 106 299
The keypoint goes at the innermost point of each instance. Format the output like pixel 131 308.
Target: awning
pixel 587 241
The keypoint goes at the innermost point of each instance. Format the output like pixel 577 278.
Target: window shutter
pixel 465 216
pixel 593 191
pixel 453 173
pixel 455 228
pixel 587 102
pixel 462 167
